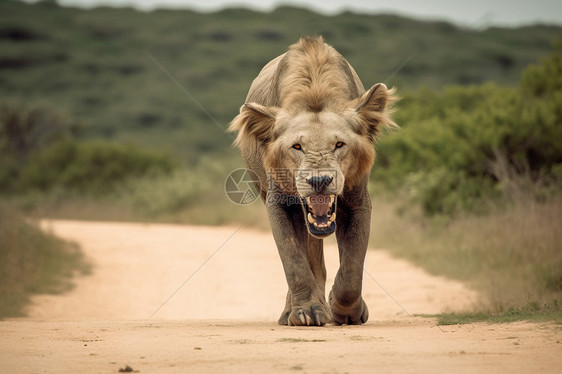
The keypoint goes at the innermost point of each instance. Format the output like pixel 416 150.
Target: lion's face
pixel 316 156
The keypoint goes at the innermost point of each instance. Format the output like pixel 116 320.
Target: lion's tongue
pixel 320 206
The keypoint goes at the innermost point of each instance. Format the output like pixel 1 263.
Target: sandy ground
pixel 177 299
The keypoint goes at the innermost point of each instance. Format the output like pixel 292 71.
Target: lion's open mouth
pixel 320 213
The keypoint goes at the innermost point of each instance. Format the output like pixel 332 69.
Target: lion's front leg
pixel 306 305
pixel 347 304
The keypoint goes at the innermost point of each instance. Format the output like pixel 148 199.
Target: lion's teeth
pixel 332 217
pixel 310 219
pixel 332 199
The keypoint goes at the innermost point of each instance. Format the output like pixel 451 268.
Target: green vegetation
pixel 101 66
pixel 462 145
pixel 44 161
pixel 32 262
pixel 529 312
pixel 118 114
pixel 483 165
pixel 40 153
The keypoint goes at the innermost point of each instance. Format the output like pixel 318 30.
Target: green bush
pixel 540 113
pixel 23 131
pixel 40 152
pixel 463 144
pixel 93 167
pixel 165 195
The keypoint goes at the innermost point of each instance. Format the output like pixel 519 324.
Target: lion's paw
pixel 355 314
pixel 314 314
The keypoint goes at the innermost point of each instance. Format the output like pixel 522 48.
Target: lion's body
pixel 307 131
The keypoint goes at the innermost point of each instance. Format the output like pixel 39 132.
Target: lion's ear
pixel 374 109
pixel 255 122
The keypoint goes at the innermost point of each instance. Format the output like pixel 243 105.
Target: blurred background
pixel 116 110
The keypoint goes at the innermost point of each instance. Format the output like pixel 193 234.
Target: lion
pixel 307 130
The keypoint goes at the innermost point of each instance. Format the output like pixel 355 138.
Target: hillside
pixel 101 67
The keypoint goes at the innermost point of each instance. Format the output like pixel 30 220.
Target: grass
pixel 512 255
pixel 33 262
pixel 299 340
pixel 531 312
pixel 191 196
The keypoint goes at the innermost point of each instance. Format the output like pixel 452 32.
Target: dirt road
pixel 176 299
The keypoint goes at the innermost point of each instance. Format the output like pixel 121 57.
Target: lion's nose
pixel 319 182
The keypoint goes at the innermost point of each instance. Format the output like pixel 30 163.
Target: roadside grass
pixel 512 255
pixel 194 195
pixel 33 262
pixel 531 312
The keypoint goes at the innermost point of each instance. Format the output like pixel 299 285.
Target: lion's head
pixel 315 155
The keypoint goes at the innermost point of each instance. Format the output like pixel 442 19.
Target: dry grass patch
pixel 513 255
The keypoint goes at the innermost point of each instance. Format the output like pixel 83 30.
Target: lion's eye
pixel 339 144
pixel 297 146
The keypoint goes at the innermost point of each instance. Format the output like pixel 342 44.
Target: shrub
pixel 465 143
pixel 23 131
pixel 40 152
pixel 93 167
